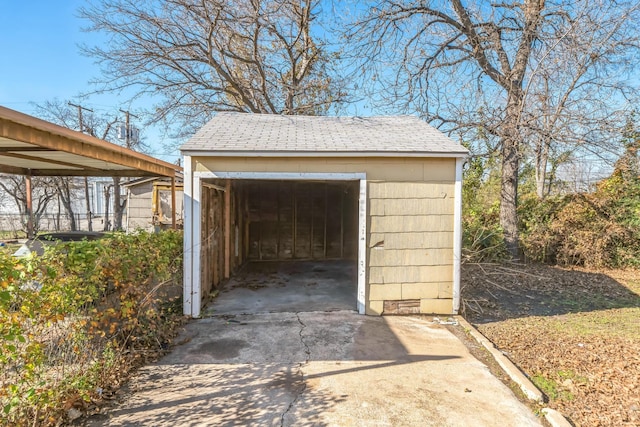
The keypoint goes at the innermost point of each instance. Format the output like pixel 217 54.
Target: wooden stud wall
pixel 224 232
pixel 302 220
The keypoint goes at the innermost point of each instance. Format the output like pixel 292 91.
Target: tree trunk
pixel 509 196
pixel 118 205
pixel 542 160
pixel 107 197
pixel 509 179
pixel 88 204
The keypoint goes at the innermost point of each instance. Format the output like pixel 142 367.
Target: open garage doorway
pixel 285 244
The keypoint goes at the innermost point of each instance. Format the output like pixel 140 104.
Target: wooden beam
pixel 43 160
pixel 130 173
pixel 23 128
pixel 213 186
pixel 13 170
pixel 227 230
pixel 23 149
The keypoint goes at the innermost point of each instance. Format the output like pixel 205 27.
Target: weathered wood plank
pixel 401 307
pixel 410 190
pixel 379 257
pixel 415 240
pixel 411 274
pixel 410 207
pixel 403 224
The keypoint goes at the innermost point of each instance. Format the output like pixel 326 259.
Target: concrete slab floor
pixel 317 369
pixel 288 287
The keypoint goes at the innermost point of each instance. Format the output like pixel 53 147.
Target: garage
pixel 378 195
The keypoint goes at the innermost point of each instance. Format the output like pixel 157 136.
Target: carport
pixel 382 192
pixel 33 147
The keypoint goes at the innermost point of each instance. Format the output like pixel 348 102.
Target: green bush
pixel 102 308
pixel 482 236
pixel 599 229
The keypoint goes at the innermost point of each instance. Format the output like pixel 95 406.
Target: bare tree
pixel 215 55
pixel 97 125
pixel 43 192
pixel 482 67
pixel 68 191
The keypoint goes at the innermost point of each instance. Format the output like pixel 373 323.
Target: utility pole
pixel 118 206
pixel 127 125
pixel 86 180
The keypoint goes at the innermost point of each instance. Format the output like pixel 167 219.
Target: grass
pixel 552 388
pixel 12 234
pixel 619 322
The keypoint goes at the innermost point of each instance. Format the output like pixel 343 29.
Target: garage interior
pixel 265 235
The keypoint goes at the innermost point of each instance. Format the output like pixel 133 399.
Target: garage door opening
pixel 287 242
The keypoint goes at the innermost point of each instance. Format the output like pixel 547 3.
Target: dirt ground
pixel 574 332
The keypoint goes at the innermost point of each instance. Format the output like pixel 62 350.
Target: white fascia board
pixel 187 203
pixel 362 246
pixel 429 154
pixel 196 225
pixel 457 236
pixel 302 176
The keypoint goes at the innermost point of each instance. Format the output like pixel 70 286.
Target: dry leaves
pixel 575 333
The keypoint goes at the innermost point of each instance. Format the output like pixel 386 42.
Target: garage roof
pixel 29 145
pixel 232 134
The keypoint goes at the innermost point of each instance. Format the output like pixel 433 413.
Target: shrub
pixel 103 308
pixel 600 229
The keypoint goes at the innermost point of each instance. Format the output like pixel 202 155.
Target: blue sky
pixel 41 61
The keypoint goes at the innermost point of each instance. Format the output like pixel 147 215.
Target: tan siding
pixel 388 168
pixel 403 224
pixel 436 306
pixel 420 290
pixel 445 290
pixel 411 190
pixel 382 207
pixel 374 308
pixel 425 240
pixel 409 257
pixel 411 274
pixel 391 291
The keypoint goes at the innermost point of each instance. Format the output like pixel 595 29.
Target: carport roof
pixel 243 134
pixel 32 146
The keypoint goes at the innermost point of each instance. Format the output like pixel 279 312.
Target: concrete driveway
pixel 318 368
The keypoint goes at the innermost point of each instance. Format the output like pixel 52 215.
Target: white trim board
pixel 192 220
pixel 355 154
pixel 283 176
pixel 457 235
pixel 187 238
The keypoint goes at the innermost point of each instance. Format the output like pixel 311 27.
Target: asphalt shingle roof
pixel 269 133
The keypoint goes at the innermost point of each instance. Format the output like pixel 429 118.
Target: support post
pixel 173 203
pixel 227 229
pixel 457 235
pixel 362 246
pixel 29 207
pixel 188 239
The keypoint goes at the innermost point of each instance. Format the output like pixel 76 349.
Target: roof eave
pixel 425 154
